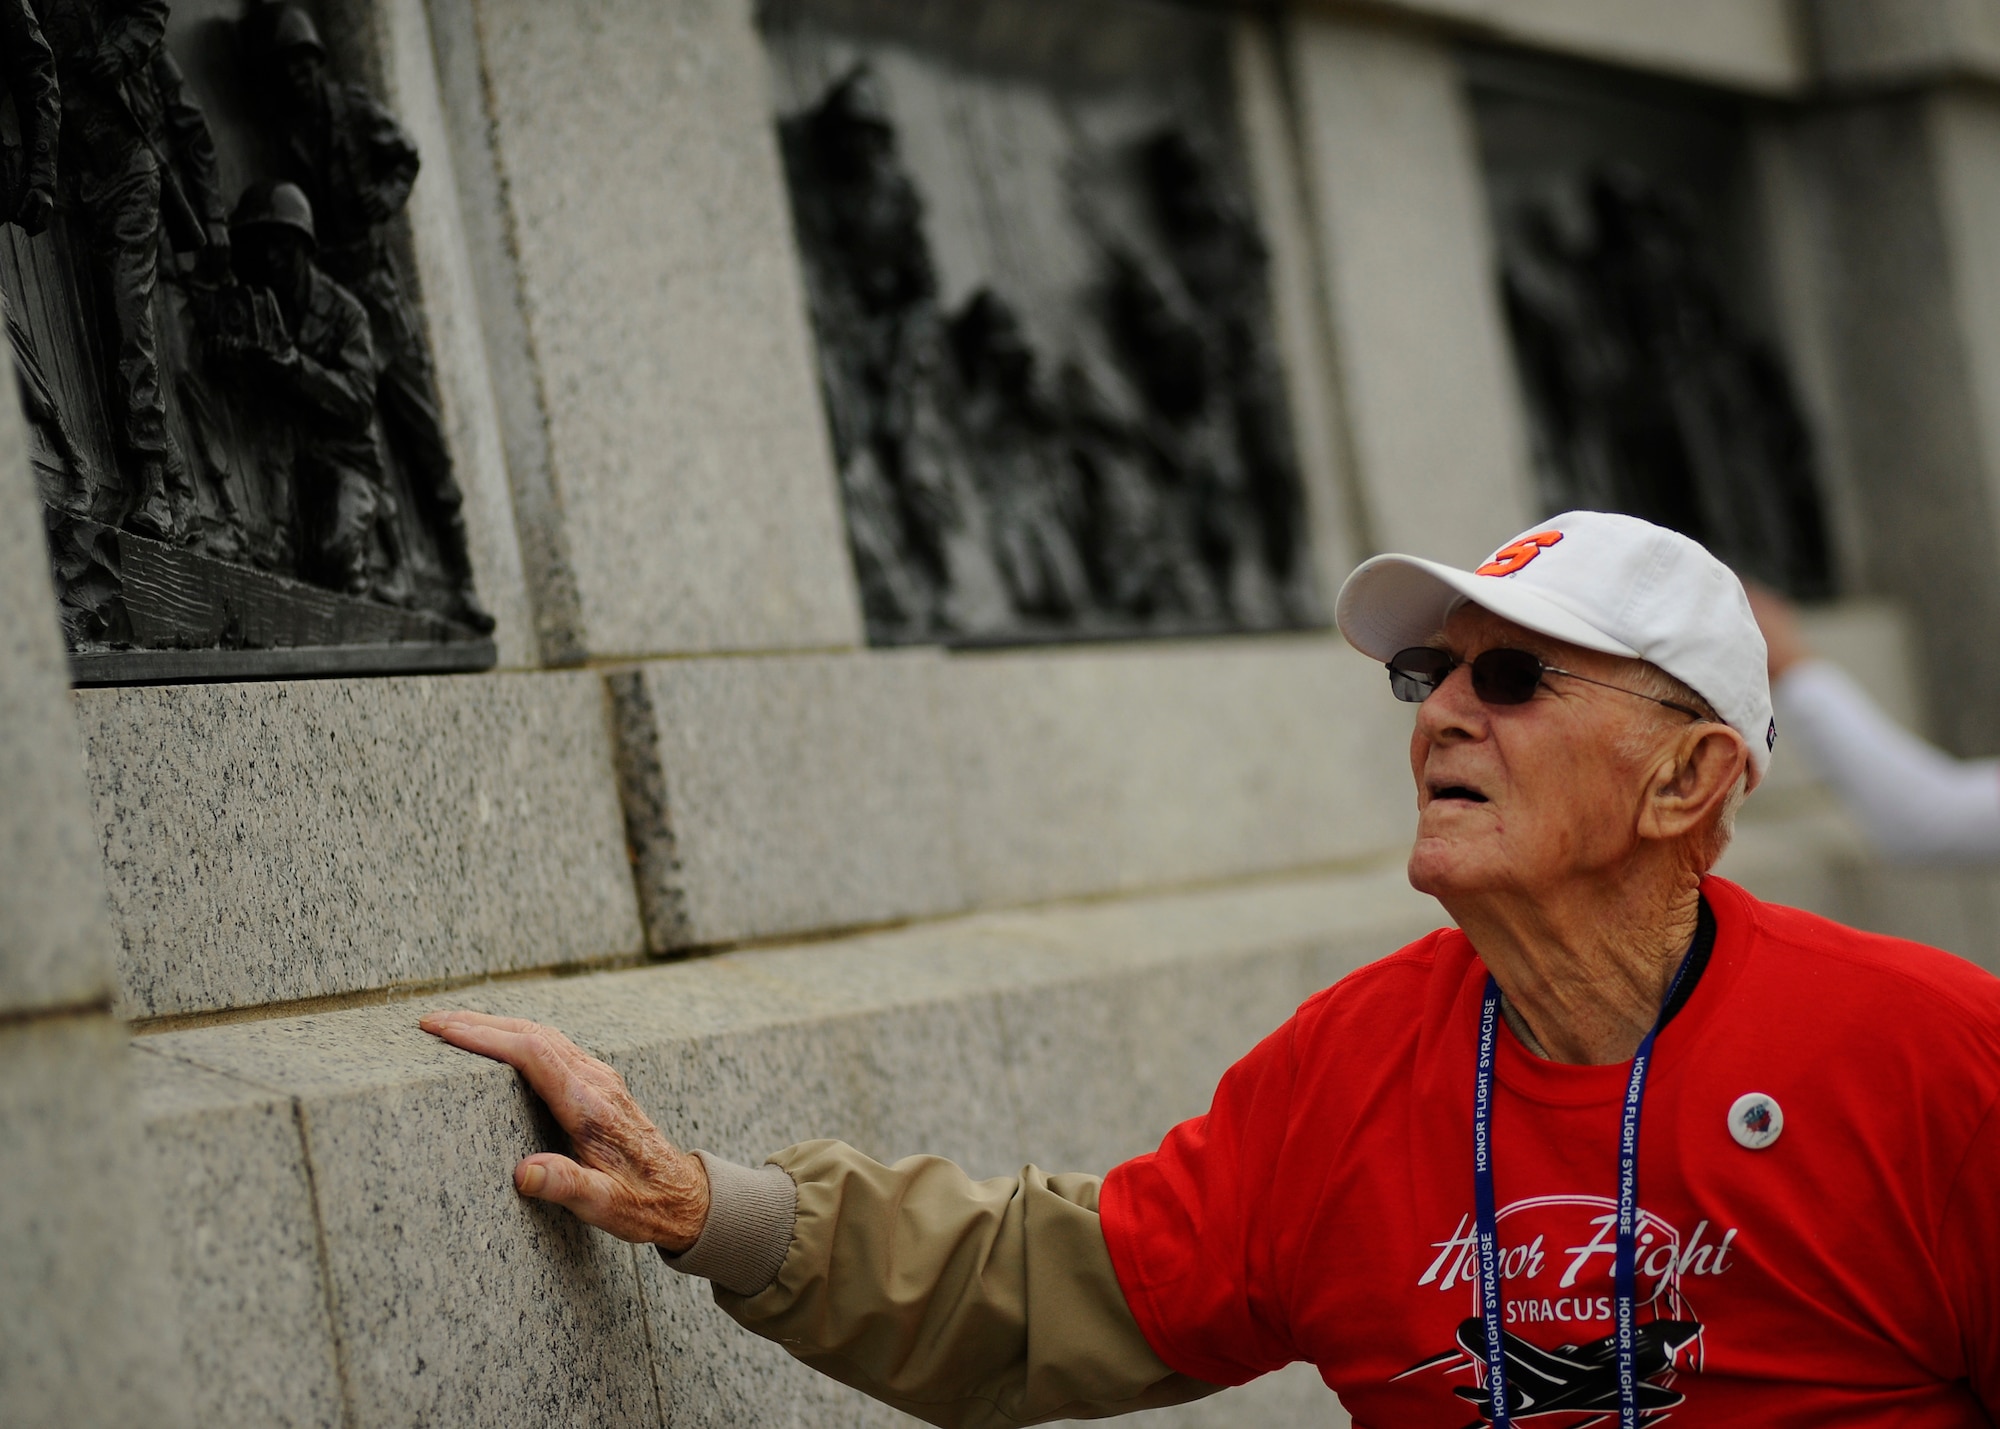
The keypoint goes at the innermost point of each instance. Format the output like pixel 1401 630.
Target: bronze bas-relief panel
pixel 234 420
pixel 1040 298
pixel 1632 269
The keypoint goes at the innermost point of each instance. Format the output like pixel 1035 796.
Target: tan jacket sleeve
pixel 965 1303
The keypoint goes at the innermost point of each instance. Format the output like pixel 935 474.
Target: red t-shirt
pixel 1846 1274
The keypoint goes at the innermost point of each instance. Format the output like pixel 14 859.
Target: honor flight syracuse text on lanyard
pixel 1492 1298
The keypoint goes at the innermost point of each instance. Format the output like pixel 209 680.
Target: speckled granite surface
pixel 53 948
pixel 269 842
pixel 775 795
pixel 1068 1037
pixel 87 1336
pixel 668 324
pixel 226 1165
pixel 786 793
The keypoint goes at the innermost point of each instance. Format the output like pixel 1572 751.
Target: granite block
pixel 1092 771
pixel 1814 858
pixel 86 1333
pixel 445 275
pixel 1406 258
pixel 280 841
pixel 55 946
pixel 1798 854
pixel 1755 45
pixel 1298 315
pixel 1947 908
pixel 1857 42
pixel 1171 992
pixel 1900 195
pixel 461 1303
pixel 456 1301
pixel 1076 1116
pixel 1981 893
pixel 521 405
pixel 1295 1395
pixel 663 306
pixel 775 795
pixel 228 1170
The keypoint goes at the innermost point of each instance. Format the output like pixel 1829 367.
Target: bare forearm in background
pixel 1913 801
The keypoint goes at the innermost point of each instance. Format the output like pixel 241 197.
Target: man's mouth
pixel 1457 791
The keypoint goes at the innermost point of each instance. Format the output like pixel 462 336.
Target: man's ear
pixel 1693 780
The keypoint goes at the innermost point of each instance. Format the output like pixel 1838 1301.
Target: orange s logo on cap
pixel 1509 559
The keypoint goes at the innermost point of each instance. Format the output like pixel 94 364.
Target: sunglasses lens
pixel 1416 672
pixel 1506 677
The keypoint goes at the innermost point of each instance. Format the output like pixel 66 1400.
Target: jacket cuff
pixel 748 1233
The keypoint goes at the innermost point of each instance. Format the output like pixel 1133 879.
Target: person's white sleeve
pixel 1915 803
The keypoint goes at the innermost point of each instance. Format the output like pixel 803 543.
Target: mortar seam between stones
pixel 553 587
pixel 646 1325
pixel 329 1294
pixel 1361 517
pixel 22 1016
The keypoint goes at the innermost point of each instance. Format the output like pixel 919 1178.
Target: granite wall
pixel 1013 906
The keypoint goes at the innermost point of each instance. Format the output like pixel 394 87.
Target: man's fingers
pixel 453 1024
pixel 540 1053
pixel 574 1084
pixel 548 1177
pixel 433 1021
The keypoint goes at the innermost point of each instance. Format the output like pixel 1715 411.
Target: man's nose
pixel 1453 711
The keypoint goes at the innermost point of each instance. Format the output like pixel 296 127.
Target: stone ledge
pixel 1070 1036
pixel 1869 43
pixel 226 1163
pixel 1754 45
pixel 775 795
pixel 86 1333
pixel 1096 771
pixel 263 843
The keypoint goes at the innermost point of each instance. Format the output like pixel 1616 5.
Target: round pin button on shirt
pixel 1755 1120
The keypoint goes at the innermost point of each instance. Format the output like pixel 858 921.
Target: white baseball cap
pixel 1602 581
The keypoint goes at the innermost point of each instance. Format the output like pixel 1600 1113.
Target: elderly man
pixel 1625 1141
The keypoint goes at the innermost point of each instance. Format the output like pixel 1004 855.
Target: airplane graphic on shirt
pixel 1570 1379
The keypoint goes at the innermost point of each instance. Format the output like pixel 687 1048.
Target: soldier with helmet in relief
pixel 357 165
pixel 307 341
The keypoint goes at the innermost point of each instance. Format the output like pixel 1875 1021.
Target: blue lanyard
pixel 1492 1299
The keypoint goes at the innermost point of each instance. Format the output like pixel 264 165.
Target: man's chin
pixel 1443 867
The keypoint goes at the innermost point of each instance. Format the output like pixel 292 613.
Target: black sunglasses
pixel 1499 677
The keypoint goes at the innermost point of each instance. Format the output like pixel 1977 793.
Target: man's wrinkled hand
pixel 626 1178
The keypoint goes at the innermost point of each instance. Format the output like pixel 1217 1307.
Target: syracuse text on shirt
pixel 1557 1255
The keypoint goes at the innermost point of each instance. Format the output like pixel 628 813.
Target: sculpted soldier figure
pixel 307 341
pixel 28 178
pixel 1221 259
pixel 28 73
pixel 357 165
pixel 1033 501
pixel 104 51
pixel 918 536
pixel 191 199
